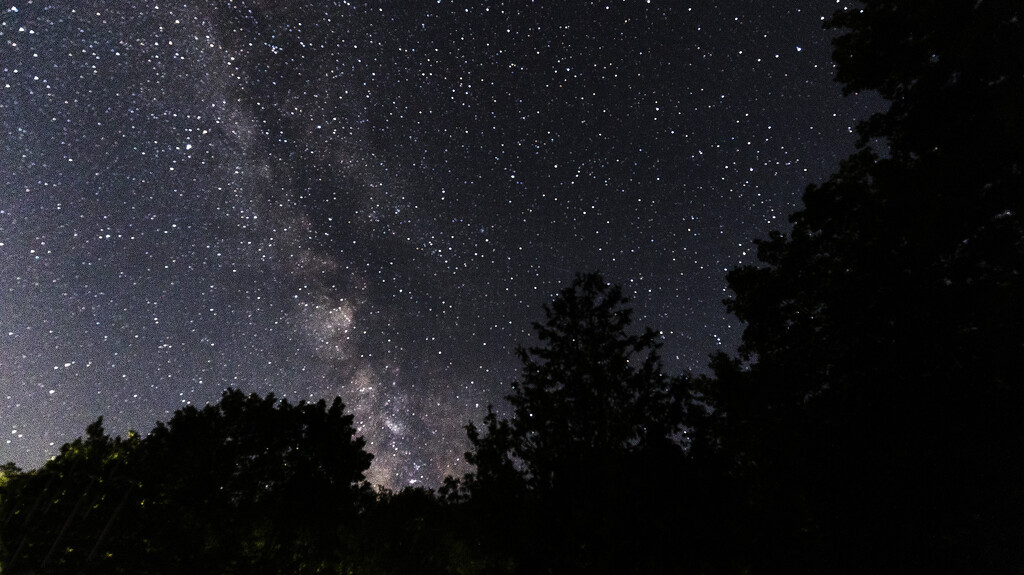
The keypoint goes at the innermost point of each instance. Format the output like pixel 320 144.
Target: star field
pixel 372 200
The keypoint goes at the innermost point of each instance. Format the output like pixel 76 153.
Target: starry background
pixel 373 199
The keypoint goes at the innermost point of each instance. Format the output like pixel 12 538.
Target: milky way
pixel 372 200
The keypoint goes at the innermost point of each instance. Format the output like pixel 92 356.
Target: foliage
pixel 265 483
pixel 591 390
pixel 413 531
pixel 876 400
pixel 61 515
pixel 248 485
pixel 589 474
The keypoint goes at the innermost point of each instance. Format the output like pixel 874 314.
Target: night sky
pixel 373 199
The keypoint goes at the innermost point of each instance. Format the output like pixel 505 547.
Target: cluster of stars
pixel 372 200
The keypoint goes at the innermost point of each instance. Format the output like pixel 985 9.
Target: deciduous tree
pixel 878 389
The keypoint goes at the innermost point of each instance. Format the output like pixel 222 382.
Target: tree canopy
pixel 877 391
pixel 590 390
pixel 251 484
pixel 589 473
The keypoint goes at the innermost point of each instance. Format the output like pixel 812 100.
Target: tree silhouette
pixel 65 516
pixel 414 531
pixel 876 401
pixel 590 390
pixel 250 484
pixel 253 484
pixel 568 480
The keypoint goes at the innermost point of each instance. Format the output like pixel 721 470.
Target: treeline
pixel 597 471
pixel 871 422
